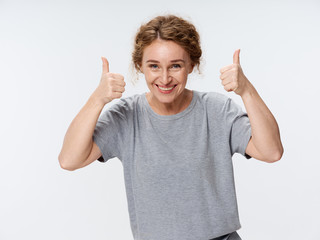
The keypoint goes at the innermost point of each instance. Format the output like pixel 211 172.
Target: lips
pixel 166 89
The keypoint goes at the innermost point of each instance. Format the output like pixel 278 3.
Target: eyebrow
pixel 176 60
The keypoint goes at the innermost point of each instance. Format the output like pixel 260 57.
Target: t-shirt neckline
pixel 170 117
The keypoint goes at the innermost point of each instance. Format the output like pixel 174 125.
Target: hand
pixel 111 84
pixel 232 76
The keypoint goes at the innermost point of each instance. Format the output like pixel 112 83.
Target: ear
pixel 140 68
pixel 191 68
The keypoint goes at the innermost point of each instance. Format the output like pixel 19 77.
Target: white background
pixel 50 64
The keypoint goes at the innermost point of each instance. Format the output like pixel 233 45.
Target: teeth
pixel 165 89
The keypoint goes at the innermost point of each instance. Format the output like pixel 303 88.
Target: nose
pixel 165 77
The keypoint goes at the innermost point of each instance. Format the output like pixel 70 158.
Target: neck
pixel 178 105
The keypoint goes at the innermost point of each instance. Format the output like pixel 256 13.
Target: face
pixel 166 66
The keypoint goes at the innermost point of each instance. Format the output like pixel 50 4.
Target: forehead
pixel 164 50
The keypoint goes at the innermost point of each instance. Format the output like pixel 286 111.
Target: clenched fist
pixel 232 76
pixel 111 84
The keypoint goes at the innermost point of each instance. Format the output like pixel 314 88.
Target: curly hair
pixel 171 28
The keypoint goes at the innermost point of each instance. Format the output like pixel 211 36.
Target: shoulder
pixel 218 104
pixel 125 104
pixel 122 108
pixel 213 99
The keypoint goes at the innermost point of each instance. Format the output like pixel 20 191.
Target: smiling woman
pixel 165 78
pixel 175 144
pixel 166 50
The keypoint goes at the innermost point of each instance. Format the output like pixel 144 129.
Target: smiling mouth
pixel 166 88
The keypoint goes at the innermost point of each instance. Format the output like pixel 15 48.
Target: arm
pixel 78 148
pixel 78 143
pixel 265 143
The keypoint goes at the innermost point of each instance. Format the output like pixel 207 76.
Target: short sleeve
pixel 240 128
pixel 110 130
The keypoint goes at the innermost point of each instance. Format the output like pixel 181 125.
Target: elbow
pixel 277 156
pixel 64 164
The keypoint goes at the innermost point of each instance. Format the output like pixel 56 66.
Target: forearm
pixel 78 142
pixel 264 128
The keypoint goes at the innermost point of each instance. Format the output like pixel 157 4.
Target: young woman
pixel 175 144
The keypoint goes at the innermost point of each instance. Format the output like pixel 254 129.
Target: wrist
pixel 95 101
pixel 249 91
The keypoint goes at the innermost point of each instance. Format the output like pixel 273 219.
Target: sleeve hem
pixel 247 139
pixel 103 158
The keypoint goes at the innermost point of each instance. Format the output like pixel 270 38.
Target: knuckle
pixel 109 75
pixel 108 87
pixel 114 95
pixel 111 89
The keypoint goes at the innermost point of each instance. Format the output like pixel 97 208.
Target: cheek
pixel 181 76
pixel 150 76
pixel 153 74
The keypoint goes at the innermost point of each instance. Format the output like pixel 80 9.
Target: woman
pixel 175 144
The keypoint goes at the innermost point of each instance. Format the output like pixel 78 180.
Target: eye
pixel 153 66
pixel 175 66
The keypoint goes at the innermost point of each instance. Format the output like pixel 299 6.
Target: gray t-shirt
pixel 178 168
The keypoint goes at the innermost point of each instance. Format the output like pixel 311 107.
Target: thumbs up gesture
pixel 232 76
pixel 111 85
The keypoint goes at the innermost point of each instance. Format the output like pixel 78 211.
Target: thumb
pixel 236 58
pixel 105 65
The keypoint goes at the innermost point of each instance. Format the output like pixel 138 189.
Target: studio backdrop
pixel 50 63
